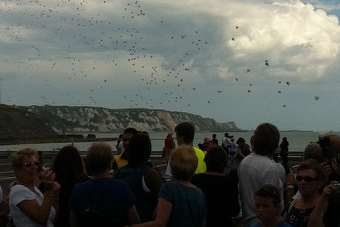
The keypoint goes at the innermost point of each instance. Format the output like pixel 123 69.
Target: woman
pixel 180 203
pixel 221 191
pixel 69 170
pixel 143 180
pixel 28 206
pixel 309 177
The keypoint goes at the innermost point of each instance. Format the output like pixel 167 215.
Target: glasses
pixel 306 178
pixel 30 164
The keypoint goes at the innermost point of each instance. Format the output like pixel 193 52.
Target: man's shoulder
pixel 256 161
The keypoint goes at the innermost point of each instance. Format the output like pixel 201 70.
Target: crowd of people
pixel 213 184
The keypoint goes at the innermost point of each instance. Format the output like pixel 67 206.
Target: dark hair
pixel 266 139
pixel 240 140
pixel 68 166
pixel 326 146
pixel 216 159
pixel 99 158
pixel 139 149
pixel 186 131
pixel 271 192
pixel 132 131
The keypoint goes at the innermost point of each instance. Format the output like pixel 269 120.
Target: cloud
pixel 300 41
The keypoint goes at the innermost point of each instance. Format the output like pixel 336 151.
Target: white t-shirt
pixel 20 193
pixel 254 172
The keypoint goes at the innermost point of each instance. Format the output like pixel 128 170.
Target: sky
pixel 248 61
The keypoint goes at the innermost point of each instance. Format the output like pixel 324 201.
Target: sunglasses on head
pixel 306 178
pixel 30 164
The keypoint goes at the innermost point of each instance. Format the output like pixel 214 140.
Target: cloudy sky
pixel 246 61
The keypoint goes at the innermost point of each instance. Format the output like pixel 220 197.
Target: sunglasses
pixel 306 178
pixel 30 164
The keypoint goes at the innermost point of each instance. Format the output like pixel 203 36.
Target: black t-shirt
pixel 102 202
pixel 221 194
pixel 146 202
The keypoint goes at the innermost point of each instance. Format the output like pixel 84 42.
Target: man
pixel 258 169
pixel 284 153
pixel 185 133
pixel 102 200
pixel 214 139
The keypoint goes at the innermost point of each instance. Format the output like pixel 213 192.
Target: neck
pixel 307 199
pixel 215 173
pixel 188 183
pixel 27 183
pixel 106 174
pixel 271 223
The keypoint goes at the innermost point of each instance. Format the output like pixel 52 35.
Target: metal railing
pixel 7 173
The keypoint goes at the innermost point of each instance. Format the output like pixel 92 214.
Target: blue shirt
pixel 102 202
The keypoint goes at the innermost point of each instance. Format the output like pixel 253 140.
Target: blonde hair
pixel 18 157
pixel 183 163
pixel 99 158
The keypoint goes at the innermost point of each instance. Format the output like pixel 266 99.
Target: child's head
pixel 267 203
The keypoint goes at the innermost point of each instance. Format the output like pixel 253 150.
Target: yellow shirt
pixel 119 161
pixel 201 167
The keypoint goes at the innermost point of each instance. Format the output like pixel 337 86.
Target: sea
pixel 297 140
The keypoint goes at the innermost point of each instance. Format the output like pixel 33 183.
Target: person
pixel 169 146
pixel 144 181
pixel 180 203
pixel 220 190
pixel 185 133
pixel 214 139
pixel 284 153
pixel 258 169
pixel 317 217
pixel 226 141
pixel 4 209
pixel 243 148
pixel 119 144
pixel 312 151
pixel 330 147
pixel 268 206
pixel 121 159
pixel 69 170
pixel 102 200
pixel 310 179
pixel 28 206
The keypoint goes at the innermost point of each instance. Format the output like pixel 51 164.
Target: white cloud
pixel 299 40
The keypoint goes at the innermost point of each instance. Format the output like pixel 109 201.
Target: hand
pixel 328 190
pixel 47 174
pixel 326 168
pixel 52 187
